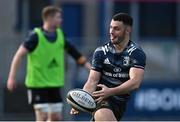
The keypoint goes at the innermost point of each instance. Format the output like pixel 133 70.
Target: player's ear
pixel 128 29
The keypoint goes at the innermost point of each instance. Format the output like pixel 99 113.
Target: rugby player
pixel 117 70
pixel 44 48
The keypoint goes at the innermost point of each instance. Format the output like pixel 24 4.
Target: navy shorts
pixel 118 108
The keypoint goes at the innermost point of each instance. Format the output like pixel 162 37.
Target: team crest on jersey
pixel 126 61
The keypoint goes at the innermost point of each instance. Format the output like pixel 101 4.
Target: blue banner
pixel 155 101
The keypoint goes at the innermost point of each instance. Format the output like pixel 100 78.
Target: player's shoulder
pixel 135 48
pixel 32 34
pixel 104 48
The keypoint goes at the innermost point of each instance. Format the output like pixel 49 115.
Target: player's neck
pixel 121 46
pixel 48 28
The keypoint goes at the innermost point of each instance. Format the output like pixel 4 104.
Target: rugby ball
pixel 81 100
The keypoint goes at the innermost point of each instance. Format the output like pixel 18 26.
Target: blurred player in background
pixel 44 48
pixel 117 69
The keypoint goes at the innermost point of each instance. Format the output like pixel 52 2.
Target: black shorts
pixel 44 95
pixel 118 108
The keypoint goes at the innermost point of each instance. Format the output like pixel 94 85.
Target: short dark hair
pixel 125 18
pixel 50 11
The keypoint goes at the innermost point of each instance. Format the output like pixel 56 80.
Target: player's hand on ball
pixel 102 94
pixel 11 84
pixel 74 111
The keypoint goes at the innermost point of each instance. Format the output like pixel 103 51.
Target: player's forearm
pixel 16 61
pixel 125 88
pixel 136 76
pixel 14 66
pixel 92 81
pixel 90 86
pixel 81 60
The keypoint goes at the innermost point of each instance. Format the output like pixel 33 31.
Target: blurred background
pixel 85 22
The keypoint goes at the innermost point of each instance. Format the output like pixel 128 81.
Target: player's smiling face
pixel 117 32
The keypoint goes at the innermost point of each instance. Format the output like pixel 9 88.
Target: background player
pixel 117 69
pixel 44 48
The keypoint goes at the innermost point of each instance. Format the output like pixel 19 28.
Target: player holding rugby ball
pixel 117 70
